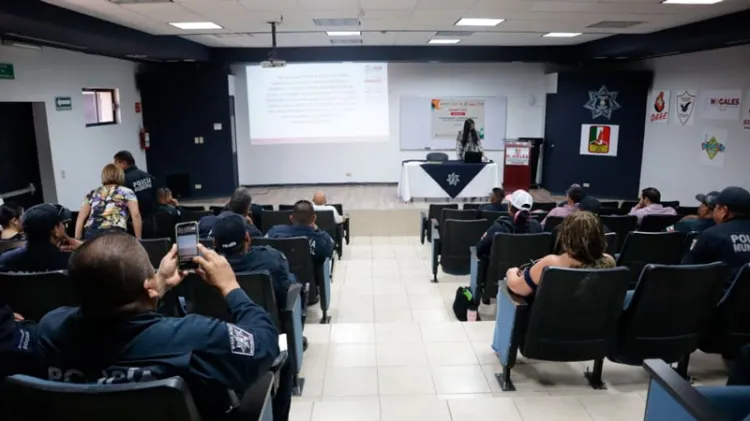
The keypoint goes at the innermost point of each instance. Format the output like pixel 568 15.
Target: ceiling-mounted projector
pixel 269 64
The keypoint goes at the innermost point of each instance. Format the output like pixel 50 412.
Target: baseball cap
pixel 229 232
pixel 736 199
pixel 708 199
pixel 39 220
pixel 520 199
pixel 590 204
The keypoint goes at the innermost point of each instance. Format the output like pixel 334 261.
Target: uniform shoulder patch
pixel 241 341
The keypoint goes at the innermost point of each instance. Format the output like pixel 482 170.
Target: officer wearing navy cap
pixel 704 219
pixel 303 225
pixel 232 240
pixel 729 240
pixel 47 247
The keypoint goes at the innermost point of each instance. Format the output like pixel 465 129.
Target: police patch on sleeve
pixel 241 341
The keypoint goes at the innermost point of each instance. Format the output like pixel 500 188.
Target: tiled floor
pixel 395 352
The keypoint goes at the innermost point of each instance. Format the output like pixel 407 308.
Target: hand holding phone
pixel 216 270
pixel 186 234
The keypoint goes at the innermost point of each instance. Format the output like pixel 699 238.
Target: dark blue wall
pixel 611 177
pixel 181 103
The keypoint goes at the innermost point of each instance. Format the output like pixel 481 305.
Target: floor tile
pixel 442 332
pixel 300 410
pixel 434 315
pixel 551 408
pixel 405 381
pixel 352 355
pixel 426 408
pixel 524 378
pixel 317 333
pixel 614 407
pixel 426 302
pixel 401 354
pixel 561 375
pixel 478 409
pixel 393 315
pixel 485 354
pixel 450 380
pixel 351 382
pixel 392 302
pixel 389 287
pixel 451 354
pixel 397 333
pixel 366 410
pixel 352 333
pixel 479 331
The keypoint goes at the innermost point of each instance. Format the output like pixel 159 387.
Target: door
pixel 19 161
pixel 556 151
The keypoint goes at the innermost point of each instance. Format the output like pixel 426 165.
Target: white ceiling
pixel 397 22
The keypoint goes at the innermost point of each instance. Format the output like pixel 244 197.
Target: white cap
pixel 520 199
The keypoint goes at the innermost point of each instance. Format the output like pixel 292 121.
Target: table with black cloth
pixel 447 179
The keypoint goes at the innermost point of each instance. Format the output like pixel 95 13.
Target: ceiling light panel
pixel 191 26
pixel 444 41
pixel 479 22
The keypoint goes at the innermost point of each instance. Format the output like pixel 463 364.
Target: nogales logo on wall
pixel 659 112
pixel 722 104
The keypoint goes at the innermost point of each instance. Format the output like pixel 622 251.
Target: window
pixel 101 107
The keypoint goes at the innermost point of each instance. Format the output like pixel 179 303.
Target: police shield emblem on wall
pixel 685 106
pixel 599 139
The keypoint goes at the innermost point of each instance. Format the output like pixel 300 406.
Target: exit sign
pixel 6 71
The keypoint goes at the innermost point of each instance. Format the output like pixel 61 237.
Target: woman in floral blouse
pixel 107 207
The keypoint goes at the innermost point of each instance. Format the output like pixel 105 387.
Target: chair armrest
pixel 509 325
pixel 473 271
pixel 435 230
pixel 512 297
pixel 279 361
pixel 292 295
pixel 669 394
pixel 257 400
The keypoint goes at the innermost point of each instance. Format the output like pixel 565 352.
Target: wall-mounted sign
pixel 602 103
pixel 63 103
pixel 6 71
pixel 658 111
pixel 713 147
pixel 517 155
pixel 746 112
pixel 685 106
pixel 599 139
pixel 721 104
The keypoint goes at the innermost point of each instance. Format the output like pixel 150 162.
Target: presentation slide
pixel 318 103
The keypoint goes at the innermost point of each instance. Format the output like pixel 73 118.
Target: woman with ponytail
pixel 518 221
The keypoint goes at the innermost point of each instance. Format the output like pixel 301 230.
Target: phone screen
pixel 187 244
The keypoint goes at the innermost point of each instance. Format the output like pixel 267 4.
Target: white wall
pixel 77 153
pixel 670 155
pixel 381 162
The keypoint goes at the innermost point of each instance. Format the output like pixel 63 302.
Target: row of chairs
pixel 580 315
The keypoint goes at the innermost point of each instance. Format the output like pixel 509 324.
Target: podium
pixel 516 168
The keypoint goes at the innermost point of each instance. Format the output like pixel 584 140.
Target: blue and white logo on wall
pixel 602 103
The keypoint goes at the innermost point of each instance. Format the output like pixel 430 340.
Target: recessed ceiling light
pixel 562 34
pixel 195 25
pixel 343 33
pixel 444 41
pixel 478 22
pixel 691 1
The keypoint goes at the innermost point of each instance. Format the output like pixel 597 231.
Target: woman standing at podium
pixel 468 140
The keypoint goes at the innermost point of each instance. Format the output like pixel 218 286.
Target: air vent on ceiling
pixel 346 41
pixel 139 1
pixel 454 33
pixel 615 24
pixel 336 22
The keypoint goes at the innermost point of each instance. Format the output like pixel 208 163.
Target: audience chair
pixel 193 208
pixel 573 318
pixel 326 221
pixel 272 218
pixel 493 215
pixel 612 212
pixel 611 238
pixel 437 156
pixel 165 223
pixel 543 206
pixel 609 204
pixel 667 313
pixel 657 223
pixel 684 211
pixel 31 399
pixel 473 206
pixel 451 248
pixel 621 225
pixel 433 213
pixel 671 397
pixel 643 248
pixel 457 214
pixel 256 212
pixel 193 215
pixel 729 328
pixel 345 225
pixel 156 248
pixel 6 245
pixel 627 205
pixel 552 222
pixel 674 204
pixel 33 295
pixel 286 207
pixel 216 210
pixel 508 250
pixel 70 227
pixel 315 277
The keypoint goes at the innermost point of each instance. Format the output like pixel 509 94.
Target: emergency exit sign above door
pixel 6 71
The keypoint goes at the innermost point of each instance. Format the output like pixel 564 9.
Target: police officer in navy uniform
pixel 496 202
pixel 116 336
pixel 144 186
pixel 17 344
pixel 240 204
pixel 303 225
pixel 704 219
pixel 729 240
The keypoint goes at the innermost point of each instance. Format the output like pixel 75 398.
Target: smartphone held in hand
pixel 186 234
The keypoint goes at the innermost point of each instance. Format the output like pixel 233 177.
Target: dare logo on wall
pixel 599 139
pixel 659 112
pixel 722 104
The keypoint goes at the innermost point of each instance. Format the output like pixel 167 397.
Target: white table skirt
pixel 415 182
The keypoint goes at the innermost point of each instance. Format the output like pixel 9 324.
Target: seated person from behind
pixel 17 344
pixel 239 203
pixel 519 222
pixel 704 219
pixel 650 204
pixel 107 207
pixel 10 221
pixel 233 242
pixel 115 336
pixel 729 240
pixel 496 203
pixel 582 245
pixel 166 203
pixel 574 196
pixel 587 204
pixel 320 204
pixel 47 246
pixel 303 225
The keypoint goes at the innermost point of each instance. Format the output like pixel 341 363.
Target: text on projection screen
pixel 318 103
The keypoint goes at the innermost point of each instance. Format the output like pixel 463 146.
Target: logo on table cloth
pixel 453 179
pixel 712 147
pixel 602 103
pixel 599 139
